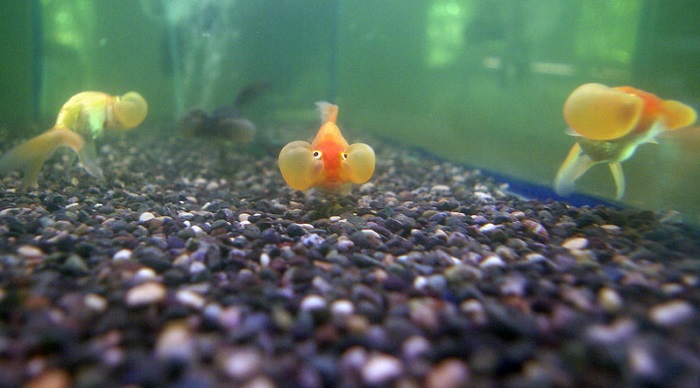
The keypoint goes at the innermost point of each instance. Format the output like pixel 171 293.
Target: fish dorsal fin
pixel 329 112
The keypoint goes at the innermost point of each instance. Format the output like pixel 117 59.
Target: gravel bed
pixel 185 270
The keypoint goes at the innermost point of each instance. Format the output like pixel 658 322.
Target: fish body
pixel 328 162
pixel 225 123
pixel 81 120
pixel 609 125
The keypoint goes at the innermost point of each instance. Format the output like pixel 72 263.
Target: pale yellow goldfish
pixel 329 162
pixel 609 125
pixel 80 121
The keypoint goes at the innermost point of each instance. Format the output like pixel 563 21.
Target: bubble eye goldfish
pixel 609 125
pixel 329 162
pixel 81 119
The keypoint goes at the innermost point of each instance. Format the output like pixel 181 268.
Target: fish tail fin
pixel 619 177
pixel 575 165
pixel 31 155
pixel 329 112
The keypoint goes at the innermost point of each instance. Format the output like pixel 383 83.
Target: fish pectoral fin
pixel 619 177
pixel 298 166
pixel 359 164
pixel 88 158
pixel 31 155
pixel 575 165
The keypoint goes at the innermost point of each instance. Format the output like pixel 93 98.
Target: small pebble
pixel 146 216
pixel 30 252
pixel 609 300
pixel 95 302
pixel 492 261
pixel 144 274
pixel 241 364
pixel 449 373
pixel 381 368
pixel 575 243
pixel 671 313
pixel 190 298
pixel 175 343
pixel 146 293
pixel 312 302
pixel 122 255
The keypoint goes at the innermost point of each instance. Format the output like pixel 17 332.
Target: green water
pixel 476 81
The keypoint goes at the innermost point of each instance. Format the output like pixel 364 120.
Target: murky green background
pixel 476 81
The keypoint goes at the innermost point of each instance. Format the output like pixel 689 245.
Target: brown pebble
pixel 53 378
pixel 450 373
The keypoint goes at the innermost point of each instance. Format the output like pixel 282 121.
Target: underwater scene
pixel 280 193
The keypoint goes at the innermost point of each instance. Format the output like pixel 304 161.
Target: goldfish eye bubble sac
pixel 598 112
pixel 299 168
pixel 360 163
pixel 130 110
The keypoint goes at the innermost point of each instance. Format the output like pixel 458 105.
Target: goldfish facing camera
pixel 80 121
pixel 609 124
pixel 329 162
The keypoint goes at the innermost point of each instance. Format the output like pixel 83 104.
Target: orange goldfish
pixel 80 121
pixel 609 125
pixel 329 162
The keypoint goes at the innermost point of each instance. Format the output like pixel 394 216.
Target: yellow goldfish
pixel 609 125
pixel 80 121
pixel 329 162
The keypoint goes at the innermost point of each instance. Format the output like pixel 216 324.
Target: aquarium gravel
pixel 178 270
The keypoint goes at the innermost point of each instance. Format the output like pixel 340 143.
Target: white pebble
pixel 242 364
pixel 30 251
pixel 617 331
pixel 313 302
pixel 492 261
pixel 609 299
pixel 334 218
pixel 641 361
pixel 535 258
pixel 144 274
pixel 95 302
pixel 381 368
pixel 312 240
pixel 488 228
pixel 197 267
pixel 175 343
pixel 122 255
pixel 671 313
pixel 146 216
pixel 420 282
pixel 440 189
pixel 371 233
pixel 415 346
pixel 575 243
pixel 342 308
pixel 344 243
pixel 265 259
pixel 612 229
pixel 190 298
pixel 147 293
pixel 243 217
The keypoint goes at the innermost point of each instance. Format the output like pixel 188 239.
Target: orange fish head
pixel 329 161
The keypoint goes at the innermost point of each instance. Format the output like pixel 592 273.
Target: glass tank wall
pixel 481 82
